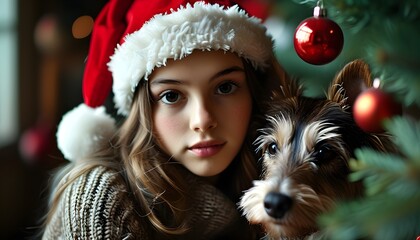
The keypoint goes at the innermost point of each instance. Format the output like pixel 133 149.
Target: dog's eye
pixel 323 153
pixel 272 148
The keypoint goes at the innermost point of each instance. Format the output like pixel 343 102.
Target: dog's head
pixel 305 151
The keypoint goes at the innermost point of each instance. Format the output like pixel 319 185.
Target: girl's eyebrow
pixel 165 81
pixel 218 74
pixel 227 71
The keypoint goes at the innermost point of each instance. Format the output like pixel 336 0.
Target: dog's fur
pixel 305 151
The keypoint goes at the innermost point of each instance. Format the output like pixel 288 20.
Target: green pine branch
pixel 391 207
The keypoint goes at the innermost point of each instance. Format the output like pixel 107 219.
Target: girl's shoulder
pixel 96 205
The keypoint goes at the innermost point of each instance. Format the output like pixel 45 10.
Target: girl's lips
pixel 206 149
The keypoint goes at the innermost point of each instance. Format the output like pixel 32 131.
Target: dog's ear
pixel 281 84
pixel 354 78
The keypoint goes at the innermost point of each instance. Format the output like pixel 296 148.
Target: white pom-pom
pixel 82 130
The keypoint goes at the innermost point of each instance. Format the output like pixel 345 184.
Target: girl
pixel 191 79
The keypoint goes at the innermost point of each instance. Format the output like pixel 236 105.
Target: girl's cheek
pixel 166 124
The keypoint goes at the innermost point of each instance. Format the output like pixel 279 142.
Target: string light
pixel 82 27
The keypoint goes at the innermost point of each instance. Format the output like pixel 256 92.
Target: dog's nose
pixel 277 204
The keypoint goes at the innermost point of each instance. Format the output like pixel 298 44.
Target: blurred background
pixel 44 44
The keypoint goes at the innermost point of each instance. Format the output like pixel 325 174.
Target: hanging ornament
pixel 372 107
pixel 35 143
pixel 318 40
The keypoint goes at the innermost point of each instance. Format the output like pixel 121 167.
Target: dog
pixel 305 150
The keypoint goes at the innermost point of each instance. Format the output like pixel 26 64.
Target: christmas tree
pixel 386 34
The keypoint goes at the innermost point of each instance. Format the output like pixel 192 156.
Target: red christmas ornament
pixel 372 107
pixel 35 143
pixel 318 40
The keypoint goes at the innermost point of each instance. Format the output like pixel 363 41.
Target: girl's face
pixel 201 111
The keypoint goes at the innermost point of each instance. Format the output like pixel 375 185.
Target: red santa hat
pixel 132 37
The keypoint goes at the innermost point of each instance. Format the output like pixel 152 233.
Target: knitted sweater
pixel 98 206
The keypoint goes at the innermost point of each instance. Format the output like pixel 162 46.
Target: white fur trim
pixel 82 130
pixel 175 35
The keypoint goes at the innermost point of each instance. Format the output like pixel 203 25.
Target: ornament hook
pixel 319 10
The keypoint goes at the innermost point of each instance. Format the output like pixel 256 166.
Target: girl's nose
pixel 202 117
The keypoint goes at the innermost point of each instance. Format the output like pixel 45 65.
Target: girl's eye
pixel 170 97
pixel 226 88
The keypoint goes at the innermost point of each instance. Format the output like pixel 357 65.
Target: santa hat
pixel 132 37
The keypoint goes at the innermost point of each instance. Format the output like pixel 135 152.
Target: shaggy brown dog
pixel 305 152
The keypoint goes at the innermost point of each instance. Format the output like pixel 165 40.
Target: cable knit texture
pixel 98 206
